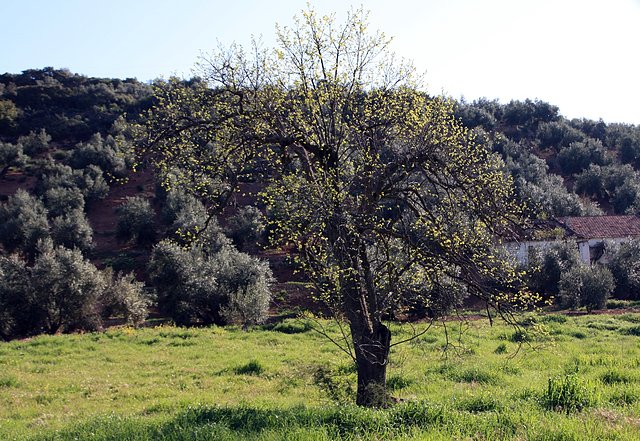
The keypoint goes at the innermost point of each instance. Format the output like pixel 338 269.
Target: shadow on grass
pixel 231 423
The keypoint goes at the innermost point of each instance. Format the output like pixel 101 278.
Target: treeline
pixel 70 107
pixel 561 167
pixel 67 140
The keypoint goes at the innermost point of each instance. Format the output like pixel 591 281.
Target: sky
pixel 580 55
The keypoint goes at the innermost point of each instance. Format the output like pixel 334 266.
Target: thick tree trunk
pixel 371 338
pixel 372 355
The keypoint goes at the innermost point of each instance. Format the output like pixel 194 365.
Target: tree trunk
pixel 371 338
pixel 372 355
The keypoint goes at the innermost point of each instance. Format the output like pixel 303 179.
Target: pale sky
pixel 581 55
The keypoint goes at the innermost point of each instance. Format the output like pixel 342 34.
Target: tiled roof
pixel 600 227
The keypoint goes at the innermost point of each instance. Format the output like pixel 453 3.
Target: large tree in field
pixel 387 199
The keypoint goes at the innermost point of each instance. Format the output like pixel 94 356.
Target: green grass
pixel 574 379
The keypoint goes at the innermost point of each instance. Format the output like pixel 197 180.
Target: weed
pixel 397 382
pixel 633 330
pixel 475 404
pixel 553 318
pixel 567 393
pixel 578 334
pixel 251 368
pixel 501 349
pixel 615 377
pixel 8 382
pixel 520 336
pixel 632 318
pixel 291 327
pixel 338 387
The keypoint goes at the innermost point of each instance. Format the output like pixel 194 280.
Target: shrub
pixel 124 296
pixel 104 153
pixel 246 282
pixel 567 393
pixel 23 222
pixel 61 200
pixel 624 263
pixel 35 143
pixel 587 286
pixel 136 221
pixel 14 294
pixel 66 289
pixel 579 155
pixel 188 216
pixel 548 266
pixel 185 283
pixel 63 292
pixel 10 156
pixel 90 181
pixel 195 287
pixel 72 230
pixel 246 227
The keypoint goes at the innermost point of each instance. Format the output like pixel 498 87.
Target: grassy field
pixel 578 379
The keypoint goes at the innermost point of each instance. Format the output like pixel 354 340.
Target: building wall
pixel 520 250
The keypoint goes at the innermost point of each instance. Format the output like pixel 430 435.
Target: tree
pixel 72 230
pixel 376 185
pixel 246 227
pixel 585 285
pixel 198 285
pixel 136 221
pixel 10 156
pixel 623 260
pixel 23 222
pixel 67 290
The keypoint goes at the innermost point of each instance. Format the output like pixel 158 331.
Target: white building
pixel 588 232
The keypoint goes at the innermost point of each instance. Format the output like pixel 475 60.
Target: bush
pixel 185 283
pixel 578 156
pixel 35 143
pixel 61 200
pixel 66 289
pixel 103 153
pixel 23 222
pixel 195 287
pixel 14 294
pixel 624 263
pixel 547 266
pixel 10 156
pixel 72 230
pixel 246 281
pixel 246 228
pixel 188 217
pixel 123 296
pixel 587 286
pixel 136 221
pixel 63 292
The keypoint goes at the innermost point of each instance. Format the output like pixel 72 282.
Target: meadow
pixel 558 378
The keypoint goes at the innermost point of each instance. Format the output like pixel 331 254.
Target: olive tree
pixel 377 186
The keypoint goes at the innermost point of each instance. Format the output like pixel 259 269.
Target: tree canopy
pixel 387 199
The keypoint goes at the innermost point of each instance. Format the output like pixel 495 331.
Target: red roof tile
pixel 600 227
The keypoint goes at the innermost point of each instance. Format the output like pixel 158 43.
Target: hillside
pixel 67 140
